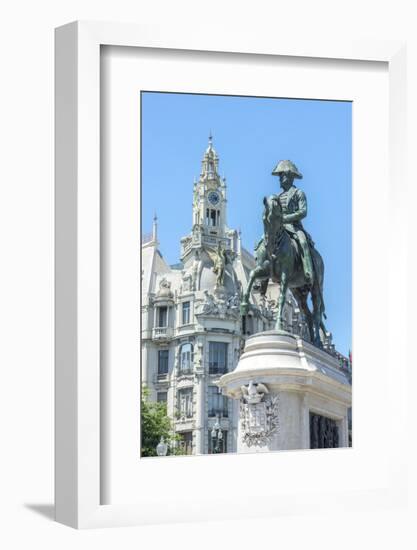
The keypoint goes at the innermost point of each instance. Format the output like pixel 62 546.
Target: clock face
pixel 213 197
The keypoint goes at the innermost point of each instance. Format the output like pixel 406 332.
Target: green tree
pixel 155 424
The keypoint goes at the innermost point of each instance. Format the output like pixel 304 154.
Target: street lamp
pixel 162 448
pixel 217 437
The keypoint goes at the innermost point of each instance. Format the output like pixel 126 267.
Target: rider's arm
pixel 301 211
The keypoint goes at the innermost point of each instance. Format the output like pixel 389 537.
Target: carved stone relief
pixel 324 432
pixel 258 414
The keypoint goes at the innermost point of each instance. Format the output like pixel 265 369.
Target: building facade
pixel 191 330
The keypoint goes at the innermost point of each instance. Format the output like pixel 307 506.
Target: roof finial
pixel 210 162
pixel 155 228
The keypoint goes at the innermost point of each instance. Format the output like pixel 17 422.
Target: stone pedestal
pixel 287 388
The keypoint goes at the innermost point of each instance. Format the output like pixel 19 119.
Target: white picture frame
pixel 78 264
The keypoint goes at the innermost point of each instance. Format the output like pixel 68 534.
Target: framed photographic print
pixel 194 296
pixel 219 242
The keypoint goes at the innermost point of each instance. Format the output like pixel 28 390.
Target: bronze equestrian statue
pixel 286 254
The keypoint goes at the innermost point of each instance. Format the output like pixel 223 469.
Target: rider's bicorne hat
pixel 287 166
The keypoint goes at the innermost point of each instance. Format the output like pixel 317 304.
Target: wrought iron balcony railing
pixel 213 412
pixel 183 371
pixel 215 369
pixel 162 333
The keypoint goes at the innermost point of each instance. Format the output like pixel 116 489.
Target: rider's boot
pixel 307 265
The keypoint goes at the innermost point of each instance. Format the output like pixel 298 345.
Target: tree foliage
pixel 156 424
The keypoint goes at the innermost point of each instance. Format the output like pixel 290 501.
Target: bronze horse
pixel 278 258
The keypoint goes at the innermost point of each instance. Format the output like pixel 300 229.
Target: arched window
pixel 186 357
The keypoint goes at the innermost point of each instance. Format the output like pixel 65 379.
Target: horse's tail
pixel 319 282
pixel 323 308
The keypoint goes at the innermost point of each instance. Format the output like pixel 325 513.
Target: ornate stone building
pixel 191 329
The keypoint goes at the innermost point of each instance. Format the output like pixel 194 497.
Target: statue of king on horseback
pixel 286 253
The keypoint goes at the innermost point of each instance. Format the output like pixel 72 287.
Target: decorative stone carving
pixel 267 308
pixel 209 306
pixel 233 302
pixel 217 306
pixel 197 234
pixel 258 414
pixel 187 281
pixel 198 356
pixel 195 270
pixel 165 289
pixel 186 241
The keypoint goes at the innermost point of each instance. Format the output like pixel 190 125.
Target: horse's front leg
pixel 244 305
pixel 281 301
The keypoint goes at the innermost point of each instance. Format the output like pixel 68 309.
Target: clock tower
pixel 209 204
pixel 209 227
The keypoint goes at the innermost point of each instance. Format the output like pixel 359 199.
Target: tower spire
pixel 155 228
pixel 210 163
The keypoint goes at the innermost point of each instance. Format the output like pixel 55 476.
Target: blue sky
pixel 250 135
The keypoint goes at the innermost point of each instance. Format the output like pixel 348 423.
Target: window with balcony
pixel 217 403
pixel 163 355
pixel 185 402
pixel 218 357
pixel 162 316
pixel 186 358
pixel 185 313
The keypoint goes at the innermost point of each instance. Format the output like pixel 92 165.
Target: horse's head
pixel 272 212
